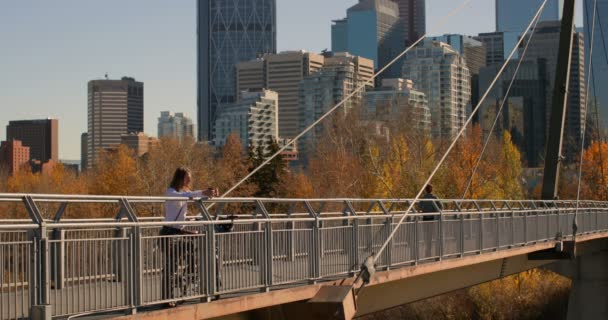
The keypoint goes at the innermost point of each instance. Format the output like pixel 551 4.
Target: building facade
pixel 228 32
pixel 442 74
pixel 116 107
pixel 545 46
pixel 176 126
pixel 599 64
pixel 371 29
pixel 14 156
pixel 397 99
pixel 412 14
pixel 84 151
pixel 494 42
pixel 339 77
pixel 513 16
pixel 41 136
pixel 254 118
pixel 472 50
pixel 525 104
pixel 281 73
pixel 140 143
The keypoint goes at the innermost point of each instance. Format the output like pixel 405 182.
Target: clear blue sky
pixel 51 48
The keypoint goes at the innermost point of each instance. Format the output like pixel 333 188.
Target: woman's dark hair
pixel 179 178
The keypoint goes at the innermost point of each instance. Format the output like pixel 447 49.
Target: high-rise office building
pixel 228 32
pixel 84 150
pixel 397 98
pixel 472 50
pixel 442 74
pixel 177 126
pixel 412 14
pixel 494 42
pixel 599 63
pixel 513 16
pixel 281 73
pixel 372 30
pixel 14 156
pixel 545 45
pixel 254 118
pixel 116 107
pixel 41 136
pixel 339 77
pixel 527 99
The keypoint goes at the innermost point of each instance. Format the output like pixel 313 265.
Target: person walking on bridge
pixel 180 186
pixel 429 227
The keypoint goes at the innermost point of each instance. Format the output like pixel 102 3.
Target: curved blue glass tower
pixel 228 32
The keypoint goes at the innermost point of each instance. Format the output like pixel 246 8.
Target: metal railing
pixel 58 267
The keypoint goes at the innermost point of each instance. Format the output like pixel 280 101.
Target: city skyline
pixel 56 61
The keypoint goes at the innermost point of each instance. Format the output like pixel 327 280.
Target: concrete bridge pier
pixel 589 273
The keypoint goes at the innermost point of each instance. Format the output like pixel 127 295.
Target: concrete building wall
pixel 140 143
pixel 14 156
pixel 319 92
pixel 398 100
pixel 175 125
pixel 282 73
pixel 442 74
pixel 254 119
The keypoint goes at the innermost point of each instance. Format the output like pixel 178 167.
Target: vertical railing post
pixel 213 269
pixel 354 239
pixel 314 254
pixel 497 230
pixel 462 235
pixel 291 241
pixel 441 238
pixel 525 227
pixel 388 229
pixel 134 260
pixel 269 249
pixel 416 242
pixel 40 279
pixel 58 259
pixel 480 231
pixel 205 248
pixel 58 251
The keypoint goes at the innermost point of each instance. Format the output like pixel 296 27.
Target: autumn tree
pixel 115 173
pixel 233 165
pixel 595 171
pixel 267 179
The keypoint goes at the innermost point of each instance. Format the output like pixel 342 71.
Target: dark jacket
pixel 430 206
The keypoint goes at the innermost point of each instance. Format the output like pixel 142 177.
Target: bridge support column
pixel 589 293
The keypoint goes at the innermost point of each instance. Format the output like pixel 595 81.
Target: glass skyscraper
pixel 228 32
pixel 372 30
pixel 513 16
pixel 599 63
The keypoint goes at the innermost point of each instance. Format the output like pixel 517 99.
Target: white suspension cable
pixel 462 130
pixel 504 100
pixel 341 103
pixel 584 135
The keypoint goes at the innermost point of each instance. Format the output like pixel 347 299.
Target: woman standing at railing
pixel 177 211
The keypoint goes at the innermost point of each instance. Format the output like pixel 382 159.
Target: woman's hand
pixel 211 192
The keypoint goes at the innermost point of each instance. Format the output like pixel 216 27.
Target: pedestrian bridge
pixel 280 253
